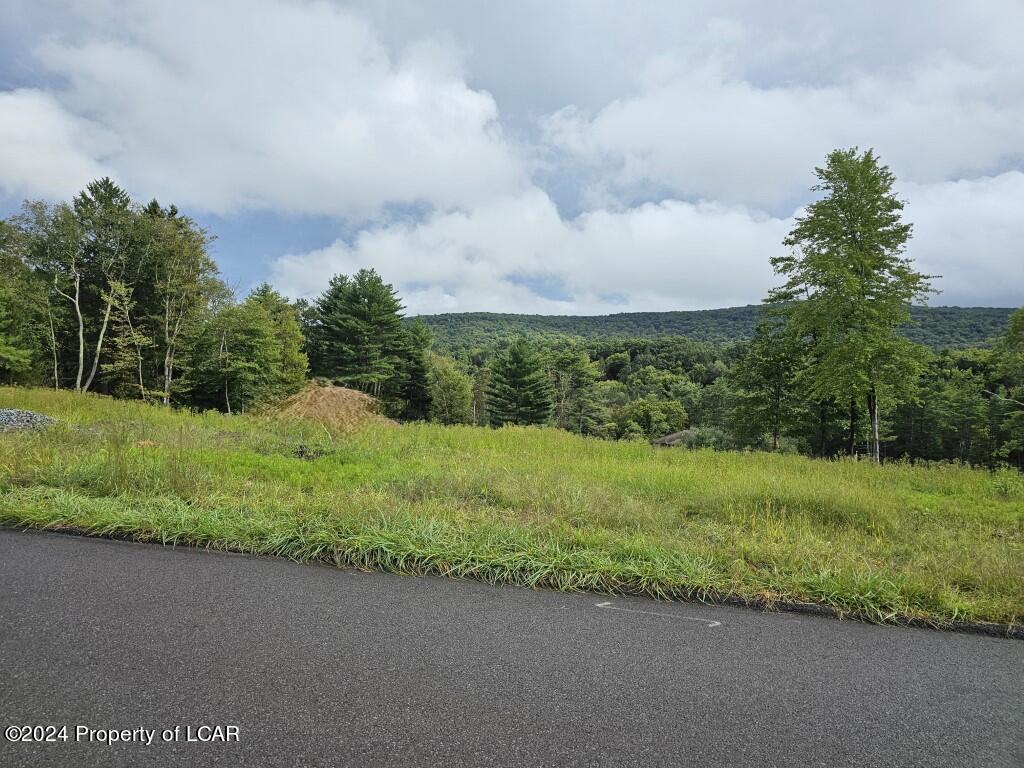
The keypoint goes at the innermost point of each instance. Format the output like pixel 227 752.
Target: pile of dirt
pixel 337 408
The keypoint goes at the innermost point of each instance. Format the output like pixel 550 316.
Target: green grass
pixel 538 507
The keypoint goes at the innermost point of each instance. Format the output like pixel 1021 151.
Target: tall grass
pixel 538 507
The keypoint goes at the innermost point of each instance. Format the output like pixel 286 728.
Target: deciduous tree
pixel 849 286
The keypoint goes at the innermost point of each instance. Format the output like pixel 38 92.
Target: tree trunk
pixel 822 428
pixel 168 375
pixel 99 344
pixel 851 445
pixel 876 452
pixel 223 354
pixel 168 352
pixel 81 330
pixel 53 346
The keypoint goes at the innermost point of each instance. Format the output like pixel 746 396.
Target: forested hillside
pixel 937 327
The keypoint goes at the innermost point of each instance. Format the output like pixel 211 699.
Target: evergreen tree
pixel 520 390
pixel 415 389
pixel 358 336
pixel 849 287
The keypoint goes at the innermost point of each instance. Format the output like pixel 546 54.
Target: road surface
pixel 316 666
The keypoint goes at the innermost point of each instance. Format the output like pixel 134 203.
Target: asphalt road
pixel 322 667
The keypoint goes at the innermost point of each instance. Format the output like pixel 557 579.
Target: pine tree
pixel 520 390
pixel 415 389
pixel 358 335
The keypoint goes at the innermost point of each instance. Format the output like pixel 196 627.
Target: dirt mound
pixel 337 408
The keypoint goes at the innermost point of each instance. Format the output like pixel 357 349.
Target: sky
pixel 570 157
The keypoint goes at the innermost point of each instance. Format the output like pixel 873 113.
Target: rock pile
pixel 12 419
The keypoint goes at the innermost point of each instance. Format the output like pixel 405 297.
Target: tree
pixel 15 354
pixel 1008 392
pixel 20 320
pixel 654 417
pixel 451 391
pixel 519 391
pixel 126 367
pixel 247 355
pixel 357 337
pixel 766 379
pixel 184 283
pixel 573 376
pixel 289 374
pixel 415 392
pixel 849 287
pixel 108 223
pixel 53 241
pixel 481 384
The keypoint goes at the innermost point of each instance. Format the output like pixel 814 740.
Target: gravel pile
pixel 12 419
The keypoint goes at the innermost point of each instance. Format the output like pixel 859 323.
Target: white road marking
pixel 611 607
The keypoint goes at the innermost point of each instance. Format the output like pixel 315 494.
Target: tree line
pixel 105 295
pixel 938 328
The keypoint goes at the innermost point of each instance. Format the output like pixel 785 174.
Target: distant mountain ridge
pixel 937 327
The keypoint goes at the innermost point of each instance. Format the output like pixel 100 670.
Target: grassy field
pixel 536 507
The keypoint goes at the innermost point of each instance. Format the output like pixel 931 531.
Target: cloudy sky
pixel 553 157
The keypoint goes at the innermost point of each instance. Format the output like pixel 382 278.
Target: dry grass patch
pixel 339 409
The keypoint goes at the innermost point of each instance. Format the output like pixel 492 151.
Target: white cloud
pixel 287 106
pixel 672 255
pixel 700 133
pixel 971 232
pixel 717 111
pixel 666 256
pixel 43 149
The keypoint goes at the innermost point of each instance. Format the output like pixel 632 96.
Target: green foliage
pixel 114 289
pixel 357 338
pixel 451 392
pixel 292 361
pixel 248 355
pixel 768 401
pixel 416 392
pixel 465 334
pixel 575 405
pixel 519 391
pixel 104 295
pixel 849 288
pixel 651 417
pixel 1007 391
pixel 15 353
